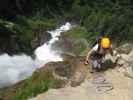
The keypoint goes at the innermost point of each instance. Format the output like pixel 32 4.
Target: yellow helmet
pixel 105 42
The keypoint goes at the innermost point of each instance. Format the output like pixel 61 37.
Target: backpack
pixel 98 39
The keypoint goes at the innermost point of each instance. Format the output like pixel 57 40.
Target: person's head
pixel 105 43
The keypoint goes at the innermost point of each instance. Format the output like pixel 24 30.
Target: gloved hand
pixel 118 56
pixel 86 62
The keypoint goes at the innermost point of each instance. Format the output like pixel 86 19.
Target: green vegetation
pixel 22 21
pixel 27 29
pixel 24 30
pixel 113 17
pixel 77 32
pixel 39 82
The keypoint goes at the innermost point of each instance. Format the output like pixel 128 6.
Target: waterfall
pixel 18 67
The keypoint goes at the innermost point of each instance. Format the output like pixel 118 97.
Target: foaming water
pixel 44 52
pixel 18 67
pixel 15 68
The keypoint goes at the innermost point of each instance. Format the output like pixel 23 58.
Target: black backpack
pixel 98 39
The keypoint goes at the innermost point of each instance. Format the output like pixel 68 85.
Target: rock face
pixel 40 37
pixel 126 48
pixel 8 41
pixel 73 73
pixel 71 70
pixel 122 85
pixel 70 45
pixel 86 91
pixel 124 59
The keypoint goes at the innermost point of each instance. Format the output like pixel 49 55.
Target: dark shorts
pixel 95 64
pixel 96 60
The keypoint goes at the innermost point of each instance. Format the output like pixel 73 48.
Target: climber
pixel 97 53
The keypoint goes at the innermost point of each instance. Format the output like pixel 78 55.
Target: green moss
pixel 79 48
pixel 39 82
pixel 77 32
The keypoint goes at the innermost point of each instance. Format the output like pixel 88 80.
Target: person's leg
pixel 93 65
pixel 99 64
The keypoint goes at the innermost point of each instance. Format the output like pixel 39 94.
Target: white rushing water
pixel 18 67
pixel 44 52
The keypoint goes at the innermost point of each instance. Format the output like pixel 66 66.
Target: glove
pixel 86 62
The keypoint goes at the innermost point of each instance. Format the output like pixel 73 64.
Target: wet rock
pixel 40 37
pixel 8 41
